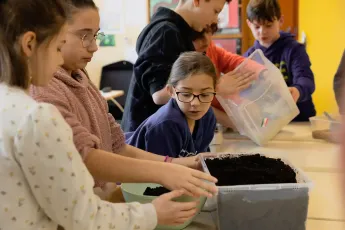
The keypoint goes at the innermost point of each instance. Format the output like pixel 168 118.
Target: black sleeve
pixel 157 56
pixel 339 79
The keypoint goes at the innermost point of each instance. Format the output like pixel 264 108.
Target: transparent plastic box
pixel 263 109
pixel 264 206
pixel 324 128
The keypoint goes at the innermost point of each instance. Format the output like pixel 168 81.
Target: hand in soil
pixel 173 213
pixel 192 182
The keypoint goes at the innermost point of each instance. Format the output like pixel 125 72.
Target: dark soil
pixel 249 170
pixel 156 191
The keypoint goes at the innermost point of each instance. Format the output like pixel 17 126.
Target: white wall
pixel 134 22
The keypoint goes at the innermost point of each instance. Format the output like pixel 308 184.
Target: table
pixel 299 131
pixel 112 95
pixel 206 221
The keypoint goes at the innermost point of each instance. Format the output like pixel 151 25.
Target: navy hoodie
pixel 158 46
pixel 167 133
pixel 293 61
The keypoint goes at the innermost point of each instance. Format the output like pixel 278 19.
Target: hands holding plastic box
pixel 258 110
pixel 240 79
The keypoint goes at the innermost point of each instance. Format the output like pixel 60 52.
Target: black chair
pixel 117 76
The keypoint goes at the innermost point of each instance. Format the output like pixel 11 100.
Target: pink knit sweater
pixel 84 109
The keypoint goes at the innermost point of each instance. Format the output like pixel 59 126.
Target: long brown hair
pixel 43 17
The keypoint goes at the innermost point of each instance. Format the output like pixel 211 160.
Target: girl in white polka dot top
pixel 44 182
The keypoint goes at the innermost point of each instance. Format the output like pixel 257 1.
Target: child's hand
pixel 193 182
pixel 173 213
pixel 295 93
pixel 193 162
pixel 234 82
pixel 190 162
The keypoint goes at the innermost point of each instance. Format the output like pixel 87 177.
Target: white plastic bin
pixel 263 109
pixel 265 206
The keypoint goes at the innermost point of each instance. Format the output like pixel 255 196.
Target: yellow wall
pixel 324 24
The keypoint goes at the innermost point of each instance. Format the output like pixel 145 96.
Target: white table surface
pixel 298 131
pixel 206 221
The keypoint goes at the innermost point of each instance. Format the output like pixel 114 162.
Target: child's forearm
pixel 133 152
pixel 112 167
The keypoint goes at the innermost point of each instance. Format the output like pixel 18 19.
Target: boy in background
pixel 169 34
pixel 264 20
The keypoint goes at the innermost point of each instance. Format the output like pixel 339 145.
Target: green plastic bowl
pixel 133 192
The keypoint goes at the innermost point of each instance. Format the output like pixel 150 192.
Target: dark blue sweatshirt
pixel 293 61
pixel 158 46
pixel 166 132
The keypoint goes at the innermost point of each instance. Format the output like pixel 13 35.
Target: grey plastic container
pixel 265 206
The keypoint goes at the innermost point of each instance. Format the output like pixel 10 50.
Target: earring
pixel 29 71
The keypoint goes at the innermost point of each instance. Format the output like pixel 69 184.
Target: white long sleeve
pixel 61 183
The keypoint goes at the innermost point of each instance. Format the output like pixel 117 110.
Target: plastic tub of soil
pixel 147 192
pixel 259 192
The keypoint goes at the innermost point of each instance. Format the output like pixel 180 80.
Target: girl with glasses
pixel 97 136
pixel 185 125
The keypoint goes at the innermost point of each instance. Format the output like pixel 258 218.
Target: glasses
pixel 189 97
pixel 88 38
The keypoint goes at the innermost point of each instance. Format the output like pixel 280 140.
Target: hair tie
pixel 168 159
